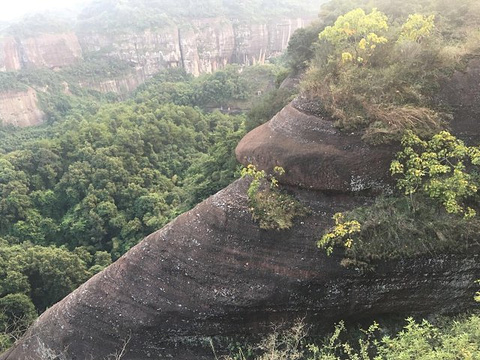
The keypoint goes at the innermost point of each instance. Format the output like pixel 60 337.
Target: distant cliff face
pixel 120 85
pixel 9 54
pixel 20 108
pixel 202 46
pixel 42 51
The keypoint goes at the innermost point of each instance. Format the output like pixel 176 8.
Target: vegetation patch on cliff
pixel 456 338
pixel 378 70
pixel 271 207
pixel 436 213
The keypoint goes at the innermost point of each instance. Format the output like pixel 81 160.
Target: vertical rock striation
pixel 9 54
pixel 20 108
pixel 42 51
pixel 50 50
pixel 199 46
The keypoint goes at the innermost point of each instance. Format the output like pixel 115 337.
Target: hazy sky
pixel 12 9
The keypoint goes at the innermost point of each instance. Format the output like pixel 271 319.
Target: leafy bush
pixel 392 228
pixel 455 338
pixel 458 339
pixel 380 77
pixel 270 207
pixel 300 48
pixel 442 168
pixel 280 344
pixel 16 313
pixel 440 181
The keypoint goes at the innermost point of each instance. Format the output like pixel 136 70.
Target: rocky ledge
pixel 315 154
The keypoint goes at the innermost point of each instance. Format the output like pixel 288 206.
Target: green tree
pixel 356 34
pixel 440 168
pixel 417 27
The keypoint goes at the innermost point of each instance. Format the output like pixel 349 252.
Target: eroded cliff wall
pixel 199 46
pixel 20 108
pixel 9 54
pixel 41 51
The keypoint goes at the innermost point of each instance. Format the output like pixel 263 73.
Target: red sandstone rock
pixel 20 108
pixel 315 154
pixel 213 272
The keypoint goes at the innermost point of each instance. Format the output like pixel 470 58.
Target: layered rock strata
pixel 201 46
pixel 315 154
pixel 212 272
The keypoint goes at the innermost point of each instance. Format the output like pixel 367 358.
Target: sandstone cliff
pixel 200 46
pixel 20 108
pixel 214 272
pixel 41 51
pixel 9 54
pixel 203 45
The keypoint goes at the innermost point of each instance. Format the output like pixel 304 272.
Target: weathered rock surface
pixel 202 46
pixel 50 50
pixel 214 272
pixel 20 108
pixel 122 85
pixel 42 51
pixel 9 54
pixel 462 94
pixel 315 154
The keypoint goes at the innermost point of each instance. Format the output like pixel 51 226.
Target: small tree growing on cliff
pixel 440 179
pixel 270 207
pixel 439 168
pixel 357 34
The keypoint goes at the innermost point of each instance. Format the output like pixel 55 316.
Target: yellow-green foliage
pixel 418 340
pixel 457 338
pixel 355 34
pixel 340 233
pixel 417 27
pixel 439 180
pixel 477 294
pixel 379 73
pixel 269 206
pixel 440 168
